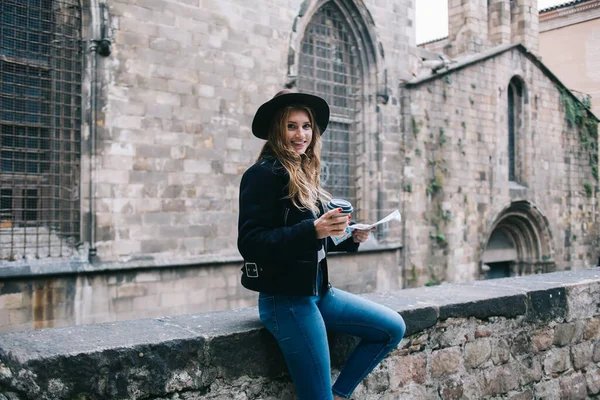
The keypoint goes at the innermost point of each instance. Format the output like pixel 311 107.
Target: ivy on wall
pixel 579 117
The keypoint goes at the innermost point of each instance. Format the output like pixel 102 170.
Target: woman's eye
pixel 307 126
pixel 291 127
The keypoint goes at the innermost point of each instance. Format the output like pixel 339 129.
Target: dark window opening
pixel 498 270
pixel 515 119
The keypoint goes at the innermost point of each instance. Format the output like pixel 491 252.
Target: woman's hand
pixel 331 223
pixel 360 236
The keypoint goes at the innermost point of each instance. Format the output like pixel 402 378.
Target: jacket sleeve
pixel 261 234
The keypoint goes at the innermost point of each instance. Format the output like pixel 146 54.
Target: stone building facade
pixel 147 223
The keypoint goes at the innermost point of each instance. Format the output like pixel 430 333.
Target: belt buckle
pixel 251 269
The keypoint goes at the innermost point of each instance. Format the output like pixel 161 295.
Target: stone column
pixel 499 30
pixel 525 24
pixel 467 26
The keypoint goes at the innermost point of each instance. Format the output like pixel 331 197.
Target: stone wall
pixel 34 302
pixel 456 182
pixel 178 95
pixel 516 338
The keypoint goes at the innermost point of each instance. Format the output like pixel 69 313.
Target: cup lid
pixel 345 205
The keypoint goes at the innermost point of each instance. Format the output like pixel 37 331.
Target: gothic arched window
pixel 330 66
pixel 40 123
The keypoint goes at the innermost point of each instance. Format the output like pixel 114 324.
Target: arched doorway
pixel 518 243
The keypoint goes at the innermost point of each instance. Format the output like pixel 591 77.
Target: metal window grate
pixel 329 66
pixel 40 120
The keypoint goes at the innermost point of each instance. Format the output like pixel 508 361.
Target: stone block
pixel 564 334
pixel 158 245
pixel 548 390
pixel 445 362
pixel 530 370
pixel 132 290
pixel 592 379
pixel 500 351
pixel 451 335
pixel 542 340
pixel 596 356
pixel 172 299
pixel 521 344
pixel 11 300
pixel 556 360
pixel 198 296
pixel 451 390
pixel 197 166
pixel 164 45
pixel 581 355
pixel 573 387
pixel 477 352
pixel 412 369
pixel 592 329
pixel 526 394
pixel 500 380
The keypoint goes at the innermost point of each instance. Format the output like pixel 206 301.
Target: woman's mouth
pixel 298 145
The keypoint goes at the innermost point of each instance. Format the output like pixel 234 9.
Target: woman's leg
pixel 380 329
pixel 297 325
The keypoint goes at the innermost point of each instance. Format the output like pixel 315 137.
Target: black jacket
pixel 277 240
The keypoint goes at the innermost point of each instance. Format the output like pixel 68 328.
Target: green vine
pixel 443 139
pixel 407 187
pixel 588 189
pixel 578 116
pixel 461 147
pixel 415 128
pixel 433 279
pixel 435 185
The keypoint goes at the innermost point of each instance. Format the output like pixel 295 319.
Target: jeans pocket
pixel 268 314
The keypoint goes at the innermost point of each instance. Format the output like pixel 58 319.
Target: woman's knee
pixel 398 330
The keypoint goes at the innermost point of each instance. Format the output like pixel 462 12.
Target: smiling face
pixel 299 131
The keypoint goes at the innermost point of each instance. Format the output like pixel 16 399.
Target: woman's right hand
pixel 332 223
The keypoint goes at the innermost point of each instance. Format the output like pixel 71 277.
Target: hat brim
pixel 264 116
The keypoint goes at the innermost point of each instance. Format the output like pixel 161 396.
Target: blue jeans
pixel 299 325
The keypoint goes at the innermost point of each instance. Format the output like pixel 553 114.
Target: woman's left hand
pixel 360 236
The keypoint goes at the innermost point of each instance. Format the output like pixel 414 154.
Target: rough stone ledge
pixel 155 357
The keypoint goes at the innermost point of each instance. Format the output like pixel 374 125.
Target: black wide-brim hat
pixel 264 116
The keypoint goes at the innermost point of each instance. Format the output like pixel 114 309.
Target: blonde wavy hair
pixel 304 188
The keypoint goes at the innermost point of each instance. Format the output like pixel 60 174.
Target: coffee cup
pixel 345 205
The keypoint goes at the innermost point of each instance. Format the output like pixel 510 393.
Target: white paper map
pixel 394 216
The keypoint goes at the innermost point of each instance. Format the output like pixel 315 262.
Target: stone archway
pixel 519 242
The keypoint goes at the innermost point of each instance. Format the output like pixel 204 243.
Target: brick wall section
pixel 459 121
pixel 517 338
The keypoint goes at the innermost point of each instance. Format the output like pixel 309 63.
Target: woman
pixel 284 235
